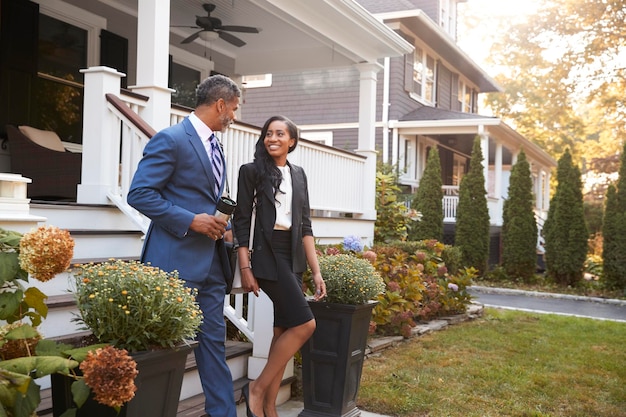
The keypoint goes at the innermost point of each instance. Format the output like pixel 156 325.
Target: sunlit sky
pixel 476 41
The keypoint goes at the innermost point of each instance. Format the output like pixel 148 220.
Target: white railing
pixel 450 202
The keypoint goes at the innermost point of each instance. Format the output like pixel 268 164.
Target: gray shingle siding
pixel 305 97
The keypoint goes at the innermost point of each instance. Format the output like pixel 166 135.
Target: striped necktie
pixel 217 163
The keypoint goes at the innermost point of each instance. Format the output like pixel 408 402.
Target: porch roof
pixel 431 121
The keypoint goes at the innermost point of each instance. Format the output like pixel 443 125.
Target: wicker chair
pixel 55 173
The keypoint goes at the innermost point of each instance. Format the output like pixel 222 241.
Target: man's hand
pixel 208 225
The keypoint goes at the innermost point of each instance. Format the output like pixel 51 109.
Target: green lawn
pixel 505 363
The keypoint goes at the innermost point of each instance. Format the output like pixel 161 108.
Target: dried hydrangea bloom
pixel 110 373
pixel 46 252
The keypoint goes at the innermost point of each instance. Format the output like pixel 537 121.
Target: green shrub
pixel 428 201
pixel 472 217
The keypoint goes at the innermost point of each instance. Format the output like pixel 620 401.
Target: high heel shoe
pixel 245 391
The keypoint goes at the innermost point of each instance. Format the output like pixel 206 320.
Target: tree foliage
pixel 429 201
pixel 564 78
pixel 614 232
pixel 565 230
pixel 472 216
pixel 519 229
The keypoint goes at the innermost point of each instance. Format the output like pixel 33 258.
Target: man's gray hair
pixel 215 87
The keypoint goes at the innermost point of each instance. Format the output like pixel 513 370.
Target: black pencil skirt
pixel 290 306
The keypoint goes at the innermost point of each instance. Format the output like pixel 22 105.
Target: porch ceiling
pixel 294 35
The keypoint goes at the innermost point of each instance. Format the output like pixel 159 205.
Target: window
pixel 58 104
pixel 424 75
pixel 447 16
pixel 184 81
pixel 256 81
pixel 466 97
pixel 458 169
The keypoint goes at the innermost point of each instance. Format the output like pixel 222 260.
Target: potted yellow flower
pixel 145 311
pixel 332 359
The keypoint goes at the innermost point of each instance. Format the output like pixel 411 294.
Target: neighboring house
pixel 426 98
pixel 97 78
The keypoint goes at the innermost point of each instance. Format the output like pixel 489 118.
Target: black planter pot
pixel 158 383
pixel 332 359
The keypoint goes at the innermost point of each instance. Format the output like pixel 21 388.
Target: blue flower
pixel 352 243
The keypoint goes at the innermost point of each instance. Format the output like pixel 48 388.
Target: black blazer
pixel 263 260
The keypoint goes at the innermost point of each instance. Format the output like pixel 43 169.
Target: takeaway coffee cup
pixel 225 208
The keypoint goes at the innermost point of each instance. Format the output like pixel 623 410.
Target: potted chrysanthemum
pixel 333 357
pixel 148 313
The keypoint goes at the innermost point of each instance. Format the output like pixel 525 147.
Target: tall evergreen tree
pixel 519 229
pixel 614 231
pixel 565 229
pixel 429 201
pixel 472 215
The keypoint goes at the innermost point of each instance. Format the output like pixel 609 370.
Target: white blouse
pixel 283 201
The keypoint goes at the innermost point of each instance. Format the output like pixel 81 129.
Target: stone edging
pixel 378 344
pixel 510 291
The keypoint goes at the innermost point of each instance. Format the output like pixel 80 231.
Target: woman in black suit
pixel 283 243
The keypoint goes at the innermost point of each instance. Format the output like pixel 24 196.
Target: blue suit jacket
pixel 174 182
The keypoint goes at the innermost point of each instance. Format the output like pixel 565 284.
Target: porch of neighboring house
pixel 500 146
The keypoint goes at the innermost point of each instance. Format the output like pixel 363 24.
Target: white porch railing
pixel 450 202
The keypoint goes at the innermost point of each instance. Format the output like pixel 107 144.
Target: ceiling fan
pixel 211 28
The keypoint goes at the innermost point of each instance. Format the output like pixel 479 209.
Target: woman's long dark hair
pixel 264 163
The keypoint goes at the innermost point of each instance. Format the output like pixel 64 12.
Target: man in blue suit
pixel 177 185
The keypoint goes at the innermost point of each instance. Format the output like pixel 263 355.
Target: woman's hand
pixel 249 282
pixel 320 286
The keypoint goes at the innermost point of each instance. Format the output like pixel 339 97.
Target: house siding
pixel 308 97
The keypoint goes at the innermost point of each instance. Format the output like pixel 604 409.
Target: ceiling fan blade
pixel 242 29
pixel 231 39
pixel 192 37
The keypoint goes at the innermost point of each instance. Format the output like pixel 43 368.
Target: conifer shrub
pixel 614 232
pixel 472 217
pixel 428 201
pixel 565 230
pixel 519 229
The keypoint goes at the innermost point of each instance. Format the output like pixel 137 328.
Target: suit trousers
pixel 215 376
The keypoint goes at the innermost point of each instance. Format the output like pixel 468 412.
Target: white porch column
pixel 498 177
pixel 100 149
pixel 14 208
pixel 484 146
pixel 546 192
pixel 367 134
pixel 153 41
pixel 539 194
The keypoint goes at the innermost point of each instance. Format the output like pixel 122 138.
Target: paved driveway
pixel 591 307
